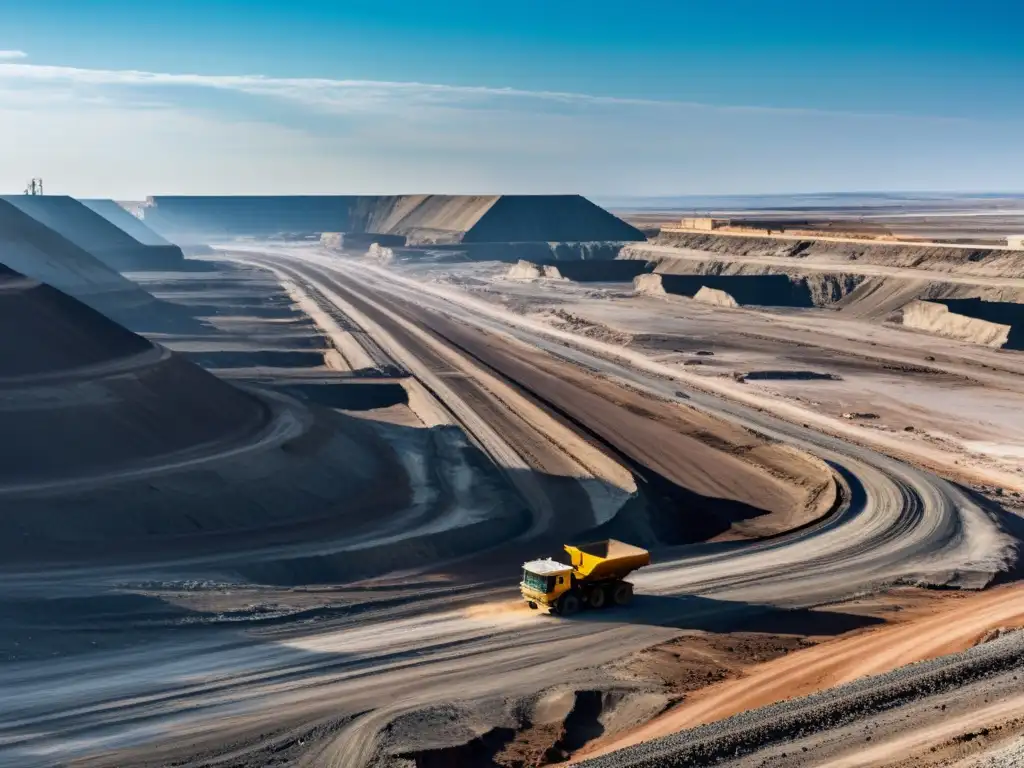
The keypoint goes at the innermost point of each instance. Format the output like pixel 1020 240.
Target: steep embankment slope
pixel 111 445
pixel 81 394
pixel 33 249
pixel 549 218
pixel 420 219
pixel 127 223
pixel 865 281
pixel 96 235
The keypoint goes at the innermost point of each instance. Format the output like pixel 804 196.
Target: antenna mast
pixel 35 187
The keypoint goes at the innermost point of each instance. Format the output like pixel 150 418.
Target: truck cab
pixel 544 582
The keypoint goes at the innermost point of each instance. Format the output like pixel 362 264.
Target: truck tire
pixel 622 594
pixel 568 604
pixel 597 598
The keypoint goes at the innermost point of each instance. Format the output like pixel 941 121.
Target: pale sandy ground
pixel 964 404
pixel 943 627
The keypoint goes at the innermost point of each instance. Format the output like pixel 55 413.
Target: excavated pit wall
pixel 858 296
pixel 750 290
pixel 937 318
pixel 982 262
pixel 824 288
pixel 992 323
pixel 583 262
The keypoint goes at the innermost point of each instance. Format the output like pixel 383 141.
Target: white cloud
pixel 355 96
pixel 128 133
pixel 11 55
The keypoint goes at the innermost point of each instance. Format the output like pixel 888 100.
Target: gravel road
pixel 345 678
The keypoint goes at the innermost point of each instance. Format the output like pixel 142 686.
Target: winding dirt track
pixel 323 692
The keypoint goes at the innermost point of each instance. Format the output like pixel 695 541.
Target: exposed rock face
pixel 715 297
pixel 334 241
pixel 380 253
pixel 937 318
pixel 975 261
pixel 649 284
pixel 525 270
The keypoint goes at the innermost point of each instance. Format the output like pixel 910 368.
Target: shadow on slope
pixel 706 614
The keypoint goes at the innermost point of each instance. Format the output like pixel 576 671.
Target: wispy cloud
pixel 213 134
pixel 12 55
pixel 356 96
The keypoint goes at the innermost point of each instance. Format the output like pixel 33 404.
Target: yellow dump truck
pixel 593 579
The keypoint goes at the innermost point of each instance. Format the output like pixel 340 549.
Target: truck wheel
pixel 568 604
pixel 623 593
pixel 597 598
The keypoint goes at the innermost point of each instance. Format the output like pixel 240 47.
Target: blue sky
pixel 125 99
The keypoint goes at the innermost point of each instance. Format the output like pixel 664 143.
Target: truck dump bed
pixel 608 559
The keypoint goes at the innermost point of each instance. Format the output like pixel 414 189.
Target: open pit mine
pixel 508 480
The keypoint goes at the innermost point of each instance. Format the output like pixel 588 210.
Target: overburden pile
pixel 402 219
pixel 80 394
pixel 96 235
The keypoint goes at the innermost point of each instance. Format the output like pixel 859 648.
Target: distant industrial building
pixel 704 224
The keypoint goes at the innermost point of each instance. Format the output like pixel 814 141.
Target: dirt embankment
pixel 774 290
pixel 97 235
pixel 708 477
pixel 937 318
pixel 963 261
pixel 762 284
pixel 935 628
pixel 114 447
pixel 30 248
pixel 872 293
pixel 525 270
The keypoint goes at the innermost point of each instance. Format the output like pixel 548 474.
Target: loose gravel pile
pixel 753 730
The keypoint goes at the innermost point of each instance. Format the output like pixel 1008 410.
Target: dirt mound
pixel 649 285
pixel 525 270
pixel 567 321
pixel 49 331
pixel 36 251
pixel 716 297
pixel 549 218
pixel 939 318
pixel 80 394
pixel 96 235
pixel 420 219
pixel 115 447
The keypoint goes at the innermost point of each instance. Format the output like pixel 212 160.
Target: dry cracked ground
pixel 832 500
